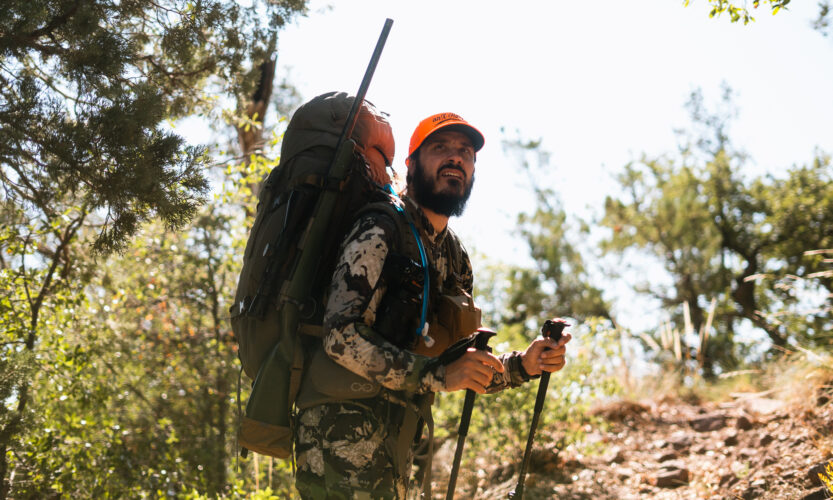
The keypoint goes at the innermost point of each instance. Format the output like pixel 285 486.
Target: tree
pixel 559 285
pixel 718 234
pixel 822 23
pixel 739 12
pixel 86 89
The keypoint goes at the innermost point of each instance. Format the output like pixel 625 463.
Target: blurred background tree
pixel 717 234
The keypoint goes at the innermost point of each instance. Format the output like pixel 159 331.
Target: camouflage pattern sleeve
pixel 355 292
pixel 513 373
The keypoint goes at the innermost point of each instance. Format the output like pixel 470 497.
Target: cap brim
pixel 477 139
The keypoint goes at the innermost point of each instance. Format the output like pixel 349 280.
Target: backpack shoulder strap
pixel 458 258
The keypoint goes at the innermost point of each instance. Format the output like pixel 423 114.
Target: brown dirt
pixel 751 447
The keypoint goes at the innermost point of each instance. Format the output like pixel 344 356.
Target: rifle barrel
pixel 368 75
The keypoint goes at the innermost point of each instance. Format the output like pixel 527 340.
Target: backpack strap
pixel 408 237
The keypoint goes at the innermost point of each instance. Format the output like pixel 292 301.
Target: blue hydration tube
pixel 422 329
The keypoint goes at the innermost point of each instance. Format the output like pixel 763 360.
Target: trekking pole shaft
pixel 551 329
pixel 465 420
pixel 481 344
pixel 518 493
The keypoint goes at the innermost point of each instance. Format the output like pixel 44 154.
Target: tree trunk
pixel 744 296
pixel 251 138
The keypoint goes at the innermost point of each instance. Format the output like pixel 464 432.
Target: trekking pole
pixel 551 329
pixel 481 344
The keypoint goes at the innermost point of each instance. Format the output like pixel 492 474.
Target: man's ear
pixel 410 161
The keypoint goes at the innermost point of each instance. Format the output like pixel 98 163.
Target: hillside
pixel 748 446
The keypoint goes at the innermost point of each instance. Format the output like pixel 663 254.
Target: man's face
pixel 441 175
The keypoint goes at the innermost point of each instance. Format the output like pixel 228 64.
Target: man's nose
pixel 458 156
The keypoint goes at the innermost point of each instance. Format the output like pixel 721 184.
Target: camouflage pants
pixel 343 451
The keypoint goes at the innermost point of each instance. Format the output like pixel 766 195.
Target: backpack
pixel 303 208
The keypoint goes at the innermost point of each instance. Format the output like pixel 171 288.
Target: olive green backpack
pixel 279 301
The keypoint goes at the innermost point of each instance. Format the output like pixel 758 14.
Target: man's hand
pixel 545 354
pixel 474 370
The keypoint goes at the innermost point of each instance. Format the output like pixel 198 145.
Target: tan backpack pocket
pixel 327 381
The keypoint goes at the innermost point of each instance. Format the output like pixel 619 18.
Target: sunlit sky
pixel 600 82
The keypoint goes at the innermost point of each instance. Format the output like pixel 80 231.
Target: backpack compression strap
pixel 422 329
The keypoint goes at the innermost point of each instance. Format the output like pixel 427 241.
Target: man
pixel 375 326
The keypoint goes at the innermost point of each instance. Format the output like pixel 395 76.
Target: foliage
pixel 500 422
pixel 87 90
pixel 827 477
pixel 739 11
pixel 822 23
pixel 718 234
pixel 87 87
pixel 559 284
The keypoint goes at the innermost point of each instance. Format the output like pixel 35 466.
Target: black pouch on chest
pixel 400 309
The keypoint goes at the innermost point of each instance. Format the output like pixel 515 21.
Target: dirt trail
pixel 752 447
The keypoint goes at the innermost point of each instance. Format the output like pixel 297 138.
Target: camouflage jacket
pixel 356 290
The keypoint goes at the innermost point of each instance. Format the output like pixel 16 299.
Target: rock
pixel 673 465
pixel 680 440
pixel 765 440
pixel 670 478
pixel 728 479
pixel 748 452
pixel 619 457
pixel 743 423
pixel 814 472
pixel 731 439
pixel 763 406
pixel 700 449
pixel 706 423
pixel 658 444
pixel 618 411
pixel 752 493
pixel 665 457
pixel 818 494
pixel 502 473
pixel 624 473
pixel 823 396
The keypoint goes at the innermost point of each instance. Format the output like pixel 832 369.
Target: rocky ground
pixel 752 446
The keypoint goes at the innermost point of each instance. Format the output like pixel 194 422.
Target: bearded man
pixel 399 297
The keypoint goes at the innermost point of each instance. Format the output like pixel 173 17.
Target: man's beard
pixel 423 190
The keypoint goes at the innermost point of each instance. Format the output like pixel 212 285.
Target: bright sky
pixel 600 82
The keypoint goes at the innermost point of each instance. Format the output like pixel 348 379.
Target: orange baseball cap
pixel 450 121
